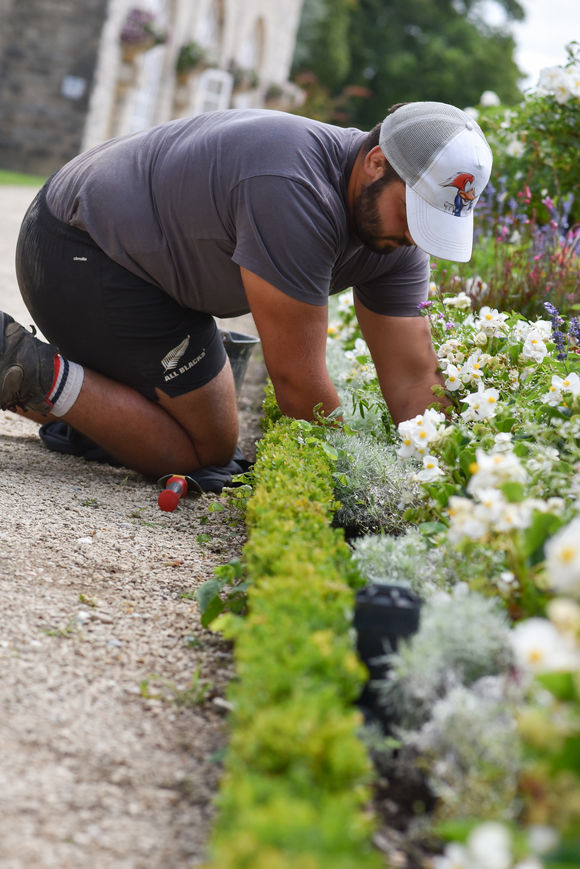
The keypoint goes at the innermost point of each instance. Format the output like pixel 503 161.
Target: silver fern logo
pixel 171 360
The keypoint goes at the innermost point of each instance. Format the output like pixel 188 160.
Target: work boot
pixel 26 368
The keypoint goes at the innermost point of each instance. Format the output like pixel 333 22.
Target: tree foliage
pixel 366 55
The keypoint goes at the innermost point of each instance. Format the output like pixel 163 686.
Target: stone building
pixel 76 72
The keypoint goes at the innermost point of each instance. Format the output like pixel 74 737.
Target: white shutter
pixel 214 91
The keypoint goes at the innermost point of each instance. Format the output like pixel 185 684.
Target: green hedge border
pixel 295 793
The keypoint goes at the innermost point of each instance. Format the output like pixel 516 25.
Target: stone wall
pixel 48 50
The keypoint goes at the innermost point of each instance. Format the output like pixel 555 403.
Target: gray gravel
pixel 111 693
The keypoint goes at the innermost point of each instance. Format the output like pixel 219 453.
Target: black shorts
pixel 106 318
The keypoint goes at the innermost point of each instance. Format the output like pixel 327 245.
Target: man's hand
pixel 405 360
pixel 293 336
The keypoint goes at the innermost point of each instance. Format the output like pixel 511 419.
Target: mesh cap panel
pixel 415 133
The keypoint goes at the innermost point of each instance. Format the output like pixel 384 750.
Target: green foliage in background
pixel 358 57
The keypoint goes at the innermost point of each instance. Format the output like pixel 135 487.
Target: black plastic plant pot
pixel 239 348
pixel 384 614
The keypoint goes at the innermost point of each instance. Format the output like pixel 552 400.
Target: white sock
pixel 68 380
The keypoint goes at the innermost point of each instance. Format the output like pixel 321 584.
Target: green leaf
pixel 514 492
pixel 213 609
pixel 561 685
pixel 429 529
pixel 542 526
pixel 507 424
pixel 206 592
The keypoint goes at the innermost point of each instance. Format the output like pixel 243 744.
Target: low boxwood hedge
pixel 295 789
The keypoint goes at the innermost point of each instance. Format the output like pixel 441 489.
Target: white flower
pixel 534 347
pixel 491 321
pixel 506 580
pixel 431 470
pixel 360 349
pixel 452 378
pixel 481 404
pixel 490 470
pixel 563 558
pixel 345 302
pixel 540 648
pixel 522 328
pixel 565 615
pixel 572 78
pixel 476 287
pixel 472 369
pixel 455 857
pixel 468 519
pixel 560 385
pixel 417 433
pixel 461 301
pixel 542 839
pixel 490 846
pixel 489 98
pixel 515 147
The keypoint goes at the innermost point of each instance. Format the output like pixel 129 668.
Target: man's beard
pixel 366 224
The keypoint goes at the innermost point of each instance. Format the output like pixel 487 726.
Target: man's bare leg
pixel 175 436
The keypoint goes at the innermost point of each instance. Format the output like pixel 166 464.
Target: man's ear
pixel 375 163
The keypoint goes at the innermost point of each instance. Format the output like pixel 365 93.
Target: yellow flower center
pixel 567 554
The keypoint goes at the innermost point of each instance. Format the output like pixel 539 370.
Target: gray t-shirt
pixel 184 204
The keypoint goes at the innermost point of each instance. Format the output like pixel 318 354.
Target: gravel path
pixel 111 693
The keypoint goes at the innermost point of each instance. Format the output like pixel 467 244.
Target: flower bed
pixel 484 701
pixel 477 512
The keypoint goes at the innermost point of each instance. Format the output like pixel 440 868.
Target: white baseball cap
pixel 441 154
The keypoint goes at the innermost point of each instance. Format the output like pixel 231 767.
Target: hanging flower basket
pixel 191 57
pixel 139 34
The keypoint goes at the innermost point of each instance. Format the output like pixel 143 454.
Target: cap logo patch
pixel 466 195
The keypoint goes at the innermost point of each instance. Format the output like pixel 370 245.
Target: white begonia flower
pixel 490 846
pixel 452 379
pixel 431 470
pixel 540 648
pixel 534 347
pixel 492 322
pixel 572 77
pixel 560 385
pixel 360 349
pixel 563 559
pixel 522 328
pixel 488 99
pixel 472 112
pixel 345 301
pixel 461 301
pixel 417 433
pixel 494 503
pixel 564 613
pixel 515 147
pixel 503 441
pixel 468 519
pixel 492 469
pixel 506 580
pixel 472 369
pixel 476 287
pixel 455 857
pixel 480 339
pixel 514 376
pixel 542 838
pixel 481 404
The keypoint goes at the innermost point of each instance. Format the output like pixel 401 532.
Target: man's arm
pixel 405 360
pixel 293 336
